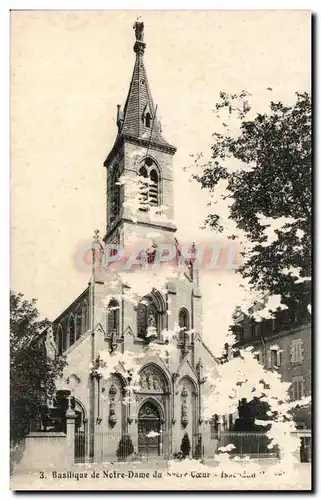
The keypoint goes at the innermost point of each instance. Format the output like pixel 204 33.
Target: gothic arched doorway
pixel 149 427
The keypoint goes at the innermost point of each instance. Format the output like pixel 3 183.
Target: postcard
pixel 160 303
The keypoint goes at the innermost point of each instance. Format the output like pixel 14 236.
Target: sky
pixel 69 70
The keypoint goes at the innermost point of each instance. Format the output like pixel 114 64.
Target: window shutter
pixel 269 360
pixel 301 350
pixel 292 352
pixel 278 358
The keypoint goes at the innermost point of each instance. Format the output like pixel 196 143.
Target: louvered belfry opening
pixel 149 185
pixel 143 189
pixel 153 189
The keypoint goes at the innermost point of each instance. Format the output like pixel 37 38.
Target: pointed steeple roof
pixel 138 119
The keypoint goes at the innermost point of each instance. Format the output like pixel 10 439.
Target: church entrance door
pixel 149 430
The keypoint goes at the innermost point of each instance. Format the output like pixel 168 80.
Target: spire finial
pixel 139 30
pixel 139 46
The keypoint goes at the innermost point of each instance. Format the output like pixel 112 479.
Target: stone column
pixel 70 439
pixel 133 420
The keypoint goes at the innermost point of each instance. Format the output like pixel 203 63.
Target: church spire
pixel 138 119
pixel 143 158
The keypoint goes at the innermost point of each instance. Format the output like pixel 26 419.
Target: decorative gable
pixel 147 110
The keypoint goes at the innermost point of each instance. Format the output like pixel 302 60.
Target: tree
pixel 259 182
pixel 265 168
pixel 32 373
pixel 185 446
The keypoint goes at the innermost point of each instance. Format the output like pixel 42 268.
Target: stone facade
pixel 170 397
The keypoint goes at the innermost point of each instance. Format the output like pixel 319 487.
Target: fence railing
pixel 115 446
pixel 254 444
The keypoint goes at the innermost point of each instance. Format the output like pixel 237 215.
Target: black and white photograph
pixel 161 250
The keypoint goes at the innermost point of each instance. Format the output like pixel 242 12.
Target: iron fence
pixel 117 446
pixel 253 444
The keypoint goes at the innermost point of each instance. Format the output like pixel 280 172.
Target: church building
pixel 168 401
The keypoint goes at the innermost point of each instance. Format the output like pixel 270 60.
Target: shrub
pixel 125 447
pixel 185 446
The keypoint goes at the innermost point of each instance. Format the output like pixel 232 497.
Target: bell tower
pixel 139 166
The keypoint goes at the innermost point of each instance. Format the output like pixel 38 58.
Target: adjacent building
pixel 282 344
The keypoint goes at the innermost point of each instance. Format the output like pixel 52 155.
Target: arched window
pixel 148 319
pixel 153 188
pixel 114 194
pixel 84 317
pixel 113 318
pixel 78 323
pixel 60 340
pixel 71 330
pixel 142 311
pixel 64 340
pixel 148 120
pixel 149 188
pixel 143 189
pixel 183 322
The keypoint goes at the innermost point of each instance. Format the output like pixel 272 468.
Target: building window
pixel 78 324
pixel 113 318
pixel 60 340
pixel 275 362
pixel 147 120
pixel 84 317
pixel 71 330
pixel 115 194
pixel 296 351
pixel 183 322
pixel 153 189
pixel 297 388
pixel 64 340
pixel 148 319
pixel 143 188
pixel 149 185
pixel 142 319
